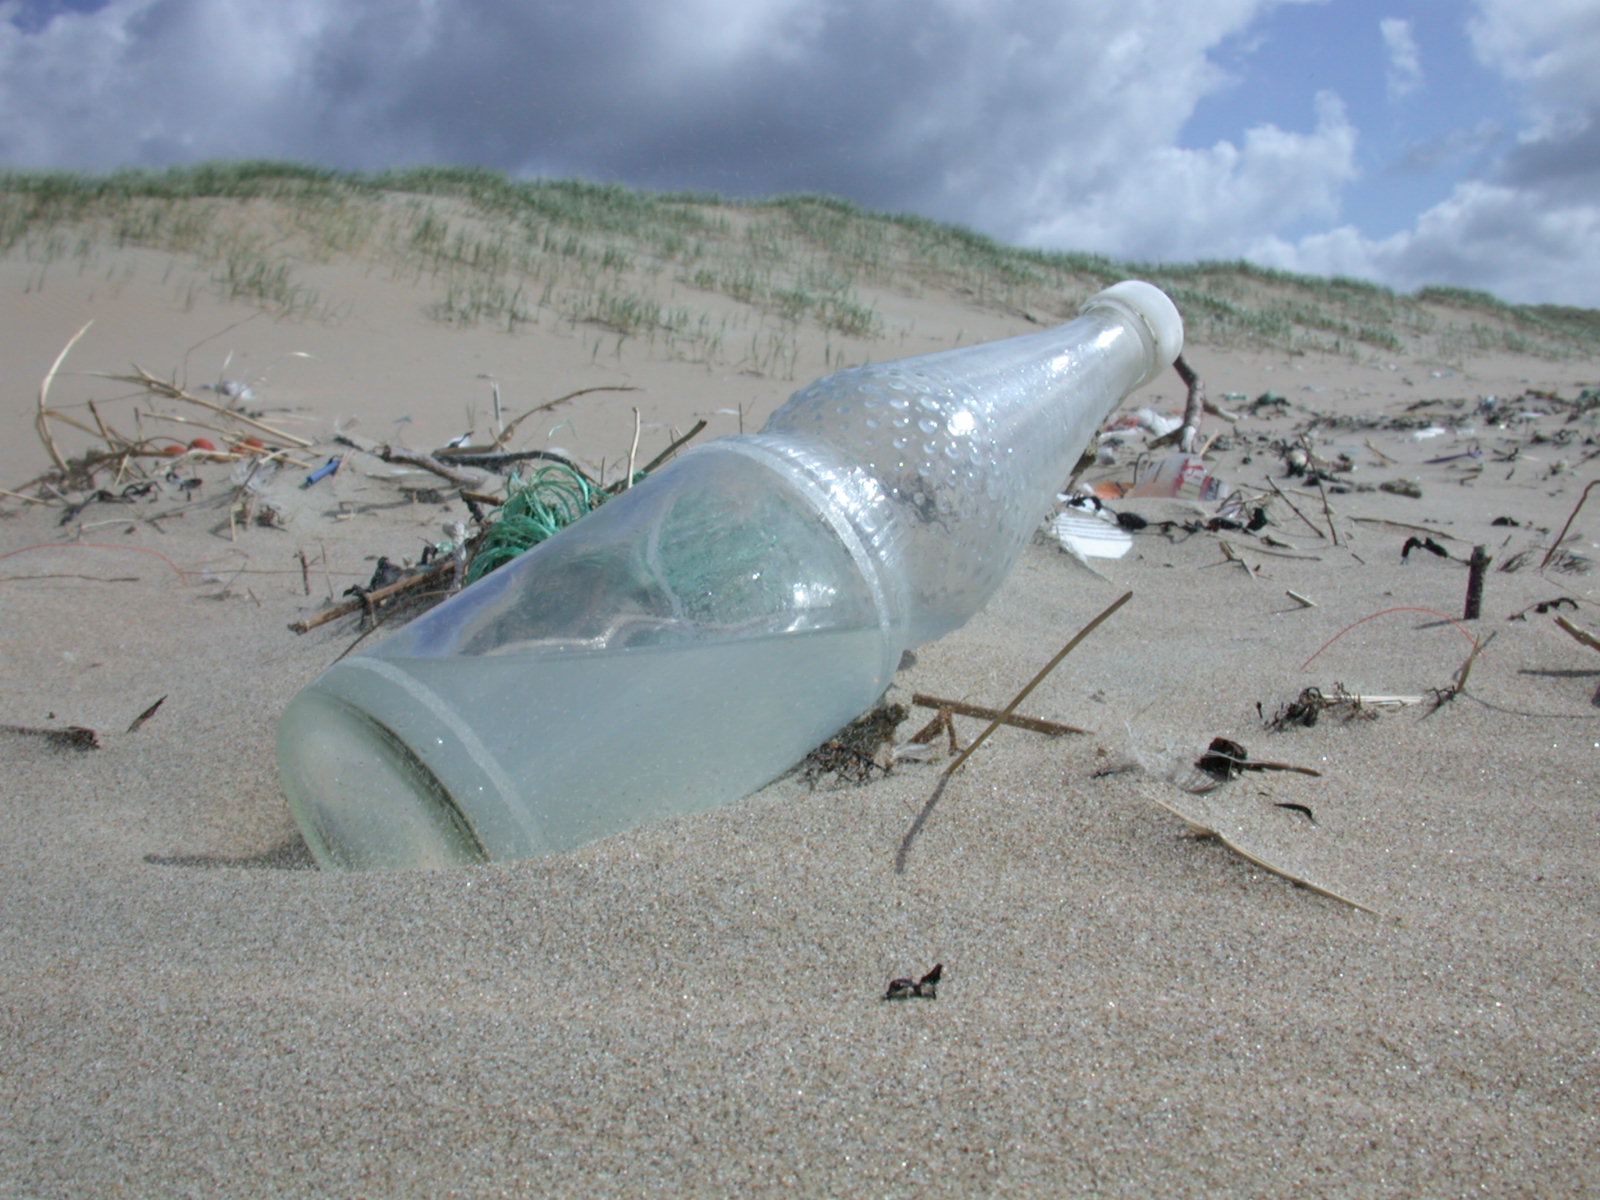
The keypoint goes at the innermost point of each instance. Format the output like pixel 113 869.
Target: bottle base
pixel 364 801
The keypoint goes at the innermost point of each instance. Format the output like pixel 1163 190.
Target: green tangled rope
pixel 554 498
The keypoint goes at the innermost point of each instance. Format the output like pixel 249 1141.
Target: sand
pixel 191 1008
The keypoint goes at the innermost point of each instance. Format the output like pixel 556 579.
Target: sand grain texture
pixel 190 1009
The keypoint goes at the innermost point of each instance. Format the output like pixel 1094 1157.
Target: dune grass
pixel 695 275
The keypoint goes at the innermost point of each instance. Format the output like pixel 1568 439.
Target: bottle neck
pixel 944 464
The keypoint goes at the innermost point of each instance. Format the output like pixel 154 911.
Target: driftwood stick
pixel 964 709
pixel 1194 408
pixel 410 458
pixel 409 584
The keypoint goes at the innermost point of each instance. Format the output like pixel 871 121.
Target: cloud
pixel 1004 114
pixel 1170 203
pixel 1058 124
pixel 1526 226
pixel 1405 64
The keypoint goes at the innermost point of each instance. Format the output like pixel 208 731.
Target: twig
pixel 961 707
pixel 906 842
pixel 1555 545
pixel 1295 509
pixel 505 434
pixel 673 448
pixel 1583 635
pixel 376 596
pixel 41 420
pixel 410 458
pixel 1303 601
pixel 1038 679
pixel 494 460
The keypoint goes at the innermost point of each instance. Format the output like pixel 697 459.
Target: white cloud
pixel 1551 47
pixel 1528 226
pixel 1058 123
pixel 1405 63
pixel 1172 203
pixel 1483 236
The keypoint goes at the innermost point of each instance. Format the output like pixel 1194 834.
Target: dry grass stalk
pixel 1327 512
pixel 962 708
pixel 1459 683
pixel 1004 715
pixel 1560 537
pixel 1583 635
pixel 1408 527
pixel 1038 679
pixel 1207 831
pixel 1234 557
pixel 160 387
pixel 633 450
pixel 42 418
pixel 1295 509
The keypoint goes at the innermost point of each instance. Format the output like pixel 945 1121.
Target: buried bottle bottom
pixel 434 762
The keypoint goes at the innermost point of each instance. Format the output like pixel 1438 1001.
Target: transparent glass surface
pixel 677 649
pixel 968 446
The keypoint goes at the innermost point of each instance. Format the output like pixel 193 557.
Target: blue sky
pixel 1411 143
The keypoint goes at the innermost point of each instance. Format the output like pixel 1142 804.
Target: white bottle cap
pixel 1152 306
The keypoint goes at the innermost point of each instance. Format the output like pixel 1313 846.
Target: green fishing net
pixel 555 497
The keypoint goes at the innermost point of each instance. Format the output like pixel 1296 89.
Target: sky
pixel 1407 142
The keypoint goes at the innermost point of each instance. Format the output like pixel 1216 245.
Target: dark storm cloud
pixel 828 102
pixel 1563 166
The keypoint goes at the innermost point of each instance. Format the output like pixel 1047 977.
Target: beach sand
pixel 191 1008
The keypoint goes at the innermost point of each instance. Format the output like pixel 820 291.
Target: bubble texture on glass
pixel 967 447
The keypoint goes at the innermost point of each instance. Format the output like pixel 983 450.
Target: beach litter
pixel 925 988
pixel 1096 535
pixel 856 752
